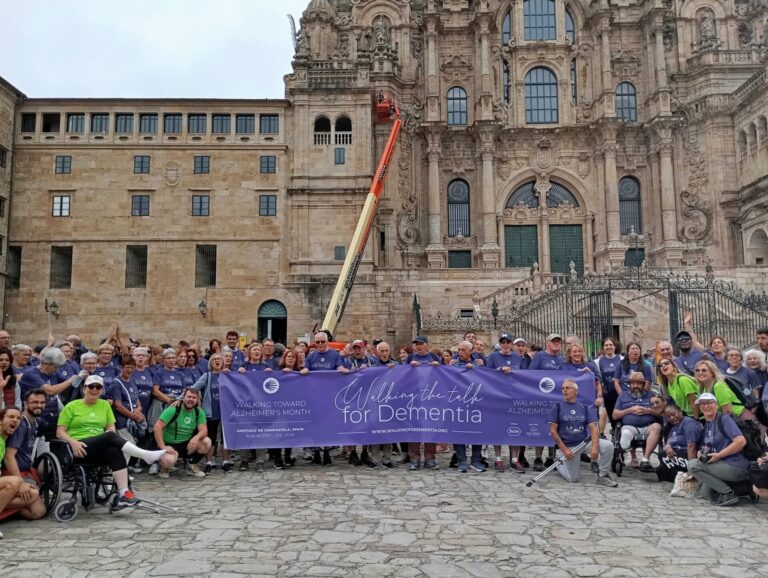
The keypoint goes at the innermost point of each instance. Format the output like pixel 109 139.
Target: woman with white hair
pixel 168 384
pixel 754 359
pixel 22 355
pixel 44 377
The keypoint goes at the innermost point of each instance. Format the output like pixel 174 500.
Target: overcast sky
pixel 147 48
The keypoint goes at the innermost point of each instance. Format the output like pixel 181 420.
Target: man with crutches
pixel 570 423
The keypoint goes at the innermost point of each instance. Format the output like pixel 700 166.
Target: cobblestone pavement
pixel 342 520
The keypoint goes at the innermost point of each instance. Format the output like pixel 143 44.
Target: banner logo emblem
pixel 547 385
pixel 271 385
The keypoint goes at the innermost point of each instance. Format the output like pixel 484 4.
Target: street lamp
pixel 495 312
pixel 203 307
pixel 53 307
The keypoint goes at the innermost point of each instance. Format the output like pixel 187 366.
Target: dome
pixel 323 6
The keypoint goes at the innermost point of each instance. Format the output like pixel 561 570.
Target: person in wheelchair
pixel 638 419
pixel 16 496
pixel 182 431
pixel 87 425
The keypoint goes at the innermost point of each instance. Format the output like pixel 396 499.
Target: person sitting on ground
pixel 183 430
pixel 682 444
pixel 639 421
pixel 570 423
pixel 720 459
pixel 679 387
pixel 88 426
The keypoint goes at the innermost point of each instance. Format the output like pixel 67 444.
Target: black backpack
pixel 755 447
pixel 177 413
pixel 742 391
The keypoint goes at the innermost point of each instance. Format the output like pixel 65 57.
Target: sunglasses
pixel 94 386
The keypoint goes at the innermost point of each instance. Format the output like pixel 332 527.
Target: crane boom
pixel 364 224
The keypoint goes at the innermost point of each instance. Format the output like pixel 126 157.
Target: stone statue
pixel 708 30
pixel 382 32
pixel 638 333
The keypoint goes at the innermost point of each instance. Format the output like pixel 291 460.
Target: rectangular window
pixel 76 122
pixel 221 123
pixel 135 266
pixel 2 208
pixel 172 123
pixel 13 268
pixel 61 268
pixel 100 122
pixel 141 164
pixel 28 122
pixel 140 205
pixel 205 266
pixel 459 259
pixel 245 124
pixel 339 253
pixel 3 157
pixel 268 165
pixel 196 123
pixel 148 123
pixel 61 206
pixel 51 122
pixel 269 124
pixel 201 205
pixel 124 122
pixel 339 155
pixel 63 165
pixel 267 205
pixel 202 165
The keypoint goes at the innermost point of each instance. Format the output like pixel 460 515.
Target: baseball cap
pixel 682 335
pixel 94 379
pixel 636 376
pixel 504 337
pixel 520 340
pixel 358 343
pixel 420 339
pixel 706 396
pixel 553 336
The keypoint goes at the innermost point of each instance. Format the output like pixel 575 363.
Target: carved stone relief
pixel 457 69
pixel 696 223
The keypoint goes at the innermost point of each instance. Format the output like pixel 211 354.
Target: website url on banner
pixel 410 429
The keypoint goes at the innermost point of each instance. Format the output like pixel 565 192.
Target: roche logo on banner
pixel 378 405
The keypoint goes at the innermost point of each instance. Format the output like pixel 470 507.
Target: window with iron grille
pixel 539 20
pixel 63 164
pixel 267 205
pixel 245 123
pixel 541 96
pixel 100 122
pixel 76 122
pixel 205 266
pixel 630 208
pixel 574 80
pixel 507 81
pixel 140 205
pixel 269 124
pixel 339 156
pixel 202 165
pixel 141 164
pixel 13 268
pixel 196 123
pixel 135 266
pixel 268 164
pixel 172 123
pixel 61 268
pixel 61 206
pixel 221 123
pixel 457 106
pixel 626 101
pixel 201 205
pixel 2 207
pixel 28 122
pixel 148 123
pixel 459 259
pixel 458 208
pixel 124 122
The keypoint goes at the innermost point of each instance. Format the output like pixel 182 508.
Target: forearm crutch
pixel 559 461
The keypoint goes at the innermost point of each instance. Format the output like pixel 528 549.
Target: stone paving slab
pixel 347 521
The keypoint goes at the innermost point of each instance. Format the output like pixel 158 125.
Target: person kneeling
pixel 88 426
pixel 16 495
pixel 183 431
pixel 569 424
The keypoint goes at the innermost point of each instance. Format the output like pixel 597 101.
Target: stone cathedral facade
pixel 556 136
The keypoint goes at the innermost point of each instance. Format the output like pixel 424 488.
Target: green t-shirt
pixel 86 421
pixel 2 453
pixel 679 390
pixel 724 396
pixel 184 427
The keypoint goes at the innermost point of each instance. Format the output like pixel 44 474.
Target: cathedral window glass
pixel 458 208
pixel 541 97
pixel 457 106
pixel 574 83
pixel 539 20
pixel 506 28
pixel 507 82
pixel 570 28
pixel 630 212
pixel 626 101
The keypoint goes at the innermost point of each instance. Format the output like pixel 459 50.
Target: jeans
pixel 461 453
pixel 714 476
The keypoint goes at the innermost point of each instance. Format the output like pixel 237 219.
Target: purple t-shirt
pixel 329 359
pixel 423 359
pixel 171 381
pixel 497 360
pixel 572 421
pixel 34 379
pixel 686 362
pixel 688 431
pixel 746 376
pixel 626 400
pixel 128 395
pixel 713 438
pixel 544 360
pixel 628 368
pixel 142 381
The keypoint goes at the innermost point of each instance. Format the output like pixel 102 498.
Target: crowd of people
pixel 131 406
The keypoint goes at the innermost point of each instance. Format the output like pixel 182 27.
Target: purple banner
pixel 403 404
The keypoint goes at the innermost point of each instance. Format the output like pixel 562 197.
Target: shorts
pixel 641 433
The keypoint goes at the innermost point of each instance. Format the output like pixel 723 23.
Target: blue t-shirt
pixel 747 377
pixel 128 395
pixel 22 370
pixel 34 379
pixel 626 401
pixel 64 372
pixel 722 364
pixel 610 368
pixel 213 392
pixel 423 359
pixel 688 361
pixel 171 381
pixel 249 366
pixel 381 363
pixel 23 440
pixel 688 431
pixel 497 360
pixel 458 362
pixel 108 373
pixel 714 439
pixel 628 368
pixel 330 359
pixel 274 362
pixel 238 358
pixel 202 365
pixel 142 381
pixel 572 421
pixel 546 361
pixel 579 366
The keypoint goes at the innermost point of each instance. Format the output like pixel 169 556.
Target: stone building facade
pixel 545 135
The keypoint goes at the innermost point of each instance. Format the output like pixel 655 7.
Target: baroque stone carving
pixel 543 155
pixel 696 224
pixel 457 69
pixel 407 224
pixel 625 63
pixel 172 173
pixel 584 165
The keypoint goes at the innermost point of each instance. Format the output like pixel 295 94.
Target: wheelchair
pixel 618 461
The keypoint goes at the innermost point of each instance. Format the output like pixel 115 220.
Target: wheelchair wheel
pixel 51 477
pixel 618 467
pixel 104 488
pixel 65 511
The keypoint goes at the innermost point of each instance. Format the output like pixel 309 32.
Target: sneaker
pixel 516 467
pixel 548 462
pixel 462 467
pixel 368 462
pixel 478 466
pixel 243 466
pixel 498 465
pixel 308 455
pixel 607 481
pixel 353 459
pixel 484 461
pixel 316 459
pixel 645 466
pixel 164 473
pixel 195 471
pixel 153 469
pixel 226 467
pixel 413 466
pixel 431 465
pixel 729 499
pixel 135 469
pixel 278 464
pixel 290 462
pixel 538 465
pixel 208 468
pixel 127 500
pixel 389 465
pixel 523 461
pixel 327 461
pixel 454 461
pixel 406 459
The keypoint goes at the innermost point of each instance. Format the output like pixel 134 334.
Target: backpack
pixel 755 447
pixel 177 413
pixel 742 391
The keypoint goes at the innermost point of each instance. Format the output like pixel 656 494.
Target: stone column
pixel 666 176
pixel 486 98
pixel 433 83
pixel 662 88
pixel 542 190
pixel 490 249
pixel 611 188
pixel 436 254
pixel 590 244
pixel 609 105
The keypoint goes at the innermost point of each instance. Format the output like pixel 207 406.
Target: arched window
pixel 539 19
pixel 457 106
pixel 570 27
pixel 458 208
pixel 343 131
pixel 541 96
pixel 322 130
pixel 558 196
pixel 752 138
pixel 272 321
pixel 506 28
pixel 630 210
pixel 626 101
pixel 574 85
pixel 525 195
pixel 742 145
pixel 507 81
pixel 762 131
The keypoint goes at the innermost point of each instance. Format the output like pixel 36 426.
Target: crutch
pixel 559 461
